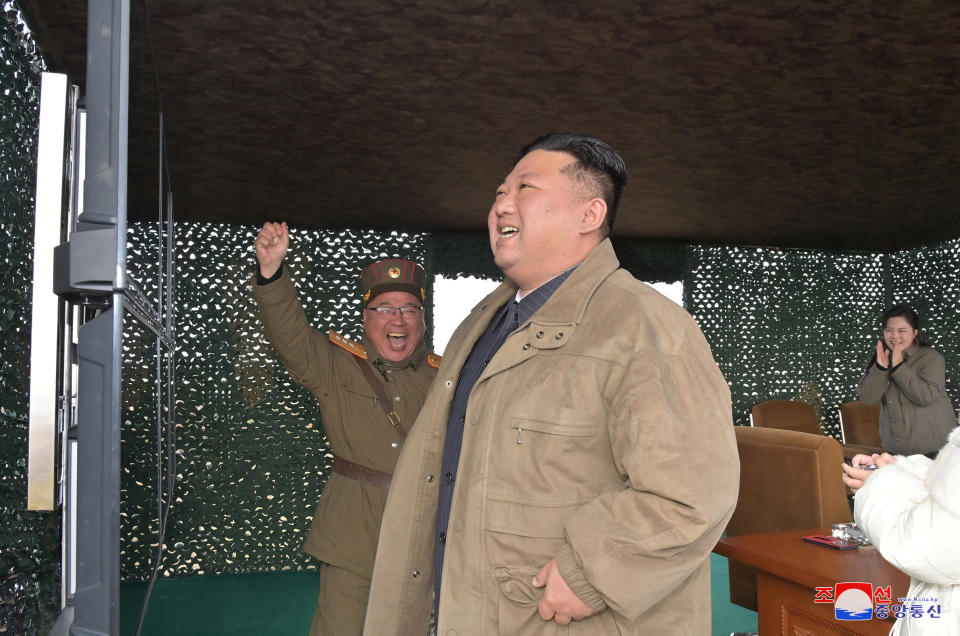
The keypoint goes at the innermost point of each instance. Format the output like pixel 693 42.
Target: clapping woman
pixel 906 377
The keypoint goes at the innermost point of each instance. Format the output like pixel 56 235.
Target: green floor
pixel 234 604
pixel 727 617
pixel 282 603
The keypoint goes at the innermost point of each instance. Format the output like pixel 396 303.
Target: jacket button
pixel 394 445
pixel 526 346
pixel 560 336
pixel 448 478
pixel 539 334
pixel 416 574
pixel 430 478
pixel 448 384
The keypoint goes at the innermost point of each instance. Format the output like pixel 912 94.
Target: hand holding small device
pixel 863 462
pixel 856 472
pixel 862 466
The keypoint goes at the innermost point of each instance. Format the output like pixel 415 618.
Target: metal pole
pixel 97 598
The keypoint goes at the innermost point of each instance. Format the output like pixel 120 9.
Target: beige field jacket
pixel 601 435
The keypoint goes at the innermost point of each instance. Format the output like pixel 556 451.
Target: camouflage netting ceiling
pixel 827 124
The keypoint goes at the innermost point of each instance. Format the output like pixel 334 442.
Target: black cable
pixel 164 301
pixel 156 82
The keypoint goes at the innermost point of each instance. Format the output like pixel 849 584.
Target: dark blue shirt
pixel 505 321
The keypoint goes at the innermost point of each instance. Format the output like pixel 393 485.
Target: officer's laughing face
pixel 394 335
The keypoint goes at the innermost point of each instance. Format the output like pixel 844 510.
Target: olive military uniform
pixel 346 523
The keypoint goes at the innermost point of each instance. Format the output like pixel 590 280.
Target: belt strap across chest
pixel 382 396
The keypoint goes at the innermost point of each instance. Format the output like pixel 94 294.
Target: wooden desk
pixel 789 570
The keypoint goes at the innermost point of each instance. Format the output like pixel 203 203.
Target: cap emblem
pixel 393 272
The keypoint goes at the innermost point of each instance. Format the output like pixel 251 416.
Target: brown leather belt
pixel 361 473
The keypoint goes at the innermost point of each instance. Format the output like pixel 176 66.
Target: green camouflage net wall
pixel 801 325
pixel 251 458
pixel 29 552
pixel 251 454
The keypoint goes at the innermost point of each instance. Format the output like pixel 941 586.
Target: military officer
pixel 369 393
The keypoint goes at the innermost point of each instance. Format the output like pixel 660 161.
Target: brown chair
pixel 786 414
pixel 860 424
pixel 788 481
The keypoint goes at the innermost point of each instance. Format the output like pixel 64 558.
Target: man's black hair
pixel 598 166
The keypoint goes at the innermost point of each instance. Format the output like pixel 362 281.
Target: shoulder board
pixel 434 360
pixel 352 346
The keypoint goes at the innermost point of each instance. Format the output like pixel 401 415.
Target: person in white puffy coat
pixel 910 509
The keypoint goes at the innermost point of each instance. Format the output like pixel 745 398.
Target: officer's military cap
pixel 393 274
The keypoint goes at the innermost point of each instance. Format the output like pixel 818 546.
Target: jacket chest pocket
pixel 540 435
pixel 543 427
pixel 547 459
pixel 361 393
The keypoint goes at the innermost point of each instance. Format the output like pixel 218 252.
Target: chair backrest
pixel 788 481
pixel 786 414
pixel 860 423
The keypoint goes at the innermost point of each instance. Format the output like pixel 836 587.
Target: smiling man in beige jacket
pixel 574 462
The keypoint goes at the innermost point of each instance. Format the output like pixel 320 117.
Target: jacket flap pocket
pixel 521 518
pixel 516 584
pixel 362 390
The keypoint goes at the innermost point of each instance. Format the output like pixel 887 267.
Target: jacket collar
pixel 568 304
pixel 565 307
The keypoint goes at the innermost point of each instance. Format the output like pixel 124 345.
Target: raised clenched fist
pixel 272 243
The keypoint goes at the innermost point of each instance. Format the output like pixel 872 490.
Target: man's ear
pixel 594 215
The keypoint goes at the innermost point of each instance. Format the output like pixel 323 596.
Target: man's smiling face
pixel 533 222
pixel 394 336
